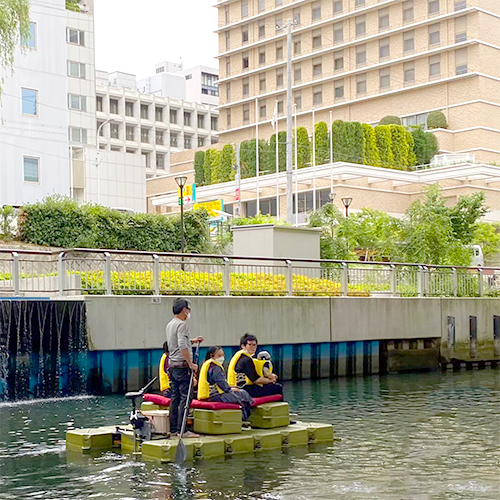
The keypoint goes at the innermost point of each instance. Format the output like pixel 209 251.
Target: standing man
pixel 180 362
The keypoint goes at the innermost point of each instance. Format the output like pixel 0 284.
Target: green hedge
pixel 321 143
pixel 303 148
pixel 222 165
pixel 384 145
pixel 436 119
pixel 425 145
pixel 199 174
pixel 370 155
pixel 270 166
pixel 207 165
pixel 390 120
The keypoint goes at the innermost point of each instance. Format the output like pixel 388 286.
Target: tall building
pixel 362 60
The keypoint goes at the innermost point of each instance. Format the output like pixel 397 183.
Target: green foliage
pixel 436 119
pixel 73 5
pixel 207 165
pixel 425 145
pixel 487 236
pixel 348 141
pixel 222 165
pixel 248 157
pixel 412 157
pixel 271 153
pixel 370 153
pixel 390 120
pixel 199 174
pixel 400 147
pixel 7 216
pixel 62 222
pixel 303 148
pixel 322 143
pixel 258 219
pixel 384 144
pixel 465 214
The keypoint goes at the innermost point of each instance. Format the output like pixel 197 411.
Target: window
pixel 76 70
pixel 30 40
pixel 201 142
pixel 296 16
pixel 316 11
pixel 187 118
pixel 131 151
pixel 409 72
pixel 228 66
pixel 173 116
pixel 201 121
pixel 228 118
pixel 159 137
pixel 318 95
pixel 338 6
pixel 408 11
pixel 147 159
pixel 361 84
pixel 338 32
pixel 173 140
pixel 317 67
pixel 384 48
pixel 360 55
pixel 159 70
pixel 244 8
pixel 297 97
pixel 145 135
pixel 214 123
pixel 433 6
pixel 113 106
pixel 78 135
pixel 262 110
pixel 461 61
pixel 209 85
pixel 158 114
pixel 316 39
pixel 228 91
pixel 226 14
pixel 383 19
pixel 245 62
pixel 339 89
pixel 297 46
pixel 29 102
pixel 31 169
pixel 280 106
pixel 228 40
pixel 100 128
pixel 338 60
pixel 434 34
pixel 115 148
pixel 277 3
pixel 408 41
pixel 98 103
pixel 279 51
pixel 279 77
pixel 297 73
pixel 244 34
pixel 77 102
pixel 246 87
pixel 385 78
pixel 435 66
pixel 361 26
pixel 460 29
pixel 278 23
pixel 246 113
pixel 160 161
pixel 144 112
pixel 266 206
pixel 360 3
pixel 262 56
pixel 129 108
pixel 262 82
pixel 262 28
pixel 262 5
pixel 75 36
pixel 130 133
pixel 114 130
pixel 460 4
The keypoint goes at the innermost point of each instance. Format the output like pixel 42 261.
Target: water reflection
pixel 433 436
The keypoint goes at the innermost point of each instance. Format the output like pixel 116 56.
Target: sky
pixel 133 35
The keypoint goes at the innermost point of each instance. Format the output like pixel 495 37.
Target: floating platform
pixel 164 450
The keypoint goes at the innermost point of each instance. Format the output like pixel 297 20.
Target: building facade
pixel 361 60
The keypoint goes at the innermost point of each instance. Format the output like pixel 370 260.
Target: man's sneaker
pixel 189 434
pixel 246 424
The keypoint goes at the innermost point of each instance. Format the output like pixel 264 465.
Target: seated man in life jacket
pixel 212 385
pixel 248 373
pixel 163 375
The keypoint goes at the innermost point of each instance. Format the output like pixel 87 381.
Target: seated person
pixel 247 373
pixel 212 385
pixel 267 367
pixel 163 376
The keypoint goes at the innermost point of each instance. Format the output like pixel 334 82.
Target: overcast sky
pixel 133 35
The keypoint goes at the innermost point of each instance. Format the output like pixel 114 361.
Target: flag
pixel 274 119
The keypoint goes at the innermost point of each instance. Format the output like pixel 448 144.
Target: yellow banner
pixel 211 206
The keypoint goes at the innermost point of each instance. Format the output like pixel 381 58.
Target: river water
pixel 418 437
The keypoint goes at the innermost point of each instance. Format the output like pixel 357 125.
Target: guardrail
pixel 111 272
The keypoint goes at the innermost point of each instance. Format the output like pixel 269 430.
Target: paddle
pixel 181 454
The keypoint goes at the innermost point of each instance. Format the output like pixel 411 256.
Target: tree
pixel 384 145
pixel 436 119
pixel 399 146
pixel 271 153
pixel 215 166
pixel 222 165
pixel 73 5
pixel 248 157
pixel 207 166
pixel 370 153
pixel 340 141
pixel 412 157
pixel 303 147
pixel 14 28
pixel 199 174
pixel 322 143
pixel 465 215
pixel 390 120
pixel 487 236
pixel 425 145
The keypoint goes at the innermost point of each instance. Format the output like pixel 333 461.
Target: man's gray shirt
pixel 178 337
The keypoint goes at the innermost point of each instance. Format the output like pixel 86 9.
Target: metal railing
pixel 112 272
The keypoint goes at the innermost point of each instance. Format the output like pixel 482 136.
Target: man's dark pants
pixel 180 378
pixel 258 391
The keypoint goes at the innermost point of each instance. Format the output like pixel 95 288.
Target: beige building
pixel 363 60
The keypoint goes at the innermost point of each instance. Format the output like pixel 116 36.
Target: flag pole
pixel 257 173
pixel 277 165
pixel 296 171
pixel 314 158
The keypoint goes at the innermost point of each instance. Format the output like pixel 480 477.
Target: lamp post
pixel 332 196
pixel 346 202
pixel 181 182
pixel 97 162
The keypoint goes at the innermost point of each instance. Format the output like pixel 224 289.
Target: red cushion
pixel 157 399
pixel 267 399
pixel 202 405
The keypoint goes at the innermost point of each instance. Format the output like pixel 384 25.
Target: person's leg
pixel 241 398
pixel 183 381
pixel 257 391
pixel 174 404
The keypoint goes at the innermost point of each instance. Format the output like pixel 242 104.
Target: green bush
pixel 207 165
pixel 322 143
pixel 436 119
pixel 248 157
pixel 340 141
pixel 412 157
pixel 400 147
pixel 62 222
pixel 348 141
pixel 303 148
pixel 271 153
pixel 390 120
pixel 384 145
pixel 370 154
pixel 425 145
pixel 73 5
pixel 7 216
pixel 222 165
pixel 199 174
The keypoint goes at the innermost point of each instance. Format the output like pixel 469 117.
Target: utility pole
pixel 289 148
pixel 238 180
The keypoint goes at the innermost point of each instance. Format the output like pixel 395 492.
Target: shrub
pixel 248 157
pixel 348 141
pixel 207 166
pixel 370 153
pixel 436 119
pixel 400 147
pixel 222 166
pixel 303 148
pixel 199 174
pixel 7 216
pixel 425 145
pixel 384 145
pixel 271 153
pixel 412 157
pixel 390 120
pixel 322 143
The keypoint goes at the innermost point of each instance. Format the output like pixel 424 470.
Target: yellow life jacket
pixel 163 375
pixel 206 390
pixel 240 379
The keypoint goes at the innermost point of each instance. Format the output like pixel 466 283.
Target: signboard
pixel 211 206
pixel 237 194
pixel 189 193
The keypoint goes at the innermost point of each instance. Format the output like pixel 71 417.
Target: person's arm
pixel 216 376
pixel 197 340
pixel 185 345
pixel 250 371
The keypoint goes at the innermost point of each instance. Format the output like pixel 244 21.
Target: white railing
pixel 451 158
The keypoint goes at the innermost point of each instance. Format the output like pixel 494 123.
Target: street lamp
pixel 97 162
pixel 332 196
pixel 181 182
pixel 346 202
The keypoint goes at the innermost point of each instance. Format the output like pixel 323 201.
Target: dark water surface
pixel 431 436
